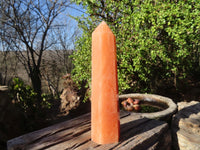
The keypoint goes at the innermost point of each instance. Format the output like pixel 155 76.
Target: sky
pixel 71 24
pixel 77 10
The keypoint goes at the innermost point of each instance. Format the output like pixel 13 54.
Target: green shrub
pixel 24 97
pixel 157 41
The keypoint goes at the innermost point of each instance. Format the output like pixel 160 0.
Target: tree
pixel 25 26
pixel 57 63
pixel 8 63
pixel 66 46
pixel 157 41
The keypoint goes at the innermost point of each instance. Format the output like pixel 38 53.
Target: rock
pixel 186 126
pixel 69 101
pixel 69 98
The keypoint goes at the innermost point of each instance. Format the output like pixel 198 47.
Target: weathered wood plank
pixel 135 133
pixel 65 128
pixel 73 143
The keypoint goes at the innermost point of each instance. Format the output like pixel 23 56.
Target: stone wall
pixel 186 126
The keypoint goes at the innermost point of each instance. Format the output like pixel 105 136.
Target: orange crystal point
pixel 102 27
pixel 104 99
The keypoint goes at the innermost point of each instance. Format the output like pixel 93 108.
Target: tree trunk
pixel 36 83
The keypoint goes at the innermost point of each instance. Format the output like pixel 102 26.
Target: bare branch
pixel 25 27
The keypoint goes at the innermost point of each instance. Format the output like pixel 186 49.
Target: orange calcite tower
pixel 105 124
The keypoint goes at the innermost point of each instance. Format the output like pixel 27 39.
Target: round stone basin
pixel 165 106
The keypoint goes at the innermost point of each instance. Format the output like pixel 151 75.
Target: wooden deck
pixel 135 133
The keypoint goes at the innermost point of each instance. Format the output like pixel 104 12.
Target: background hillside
pixel 55 64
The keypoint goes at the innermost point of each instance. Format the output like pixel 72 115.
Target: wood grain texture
pixel 136 133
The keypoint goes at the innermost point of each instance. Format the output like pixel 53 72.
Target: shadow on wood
pixel 136 133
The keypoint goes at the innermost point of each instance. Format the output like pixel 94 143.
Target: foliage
pixel 46 100
pixel 29 28
pixel 24 97
pixel 157 41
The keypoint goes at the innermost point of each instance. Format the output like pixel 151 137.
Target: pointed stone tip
pixel 102 27
pixel 103 22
